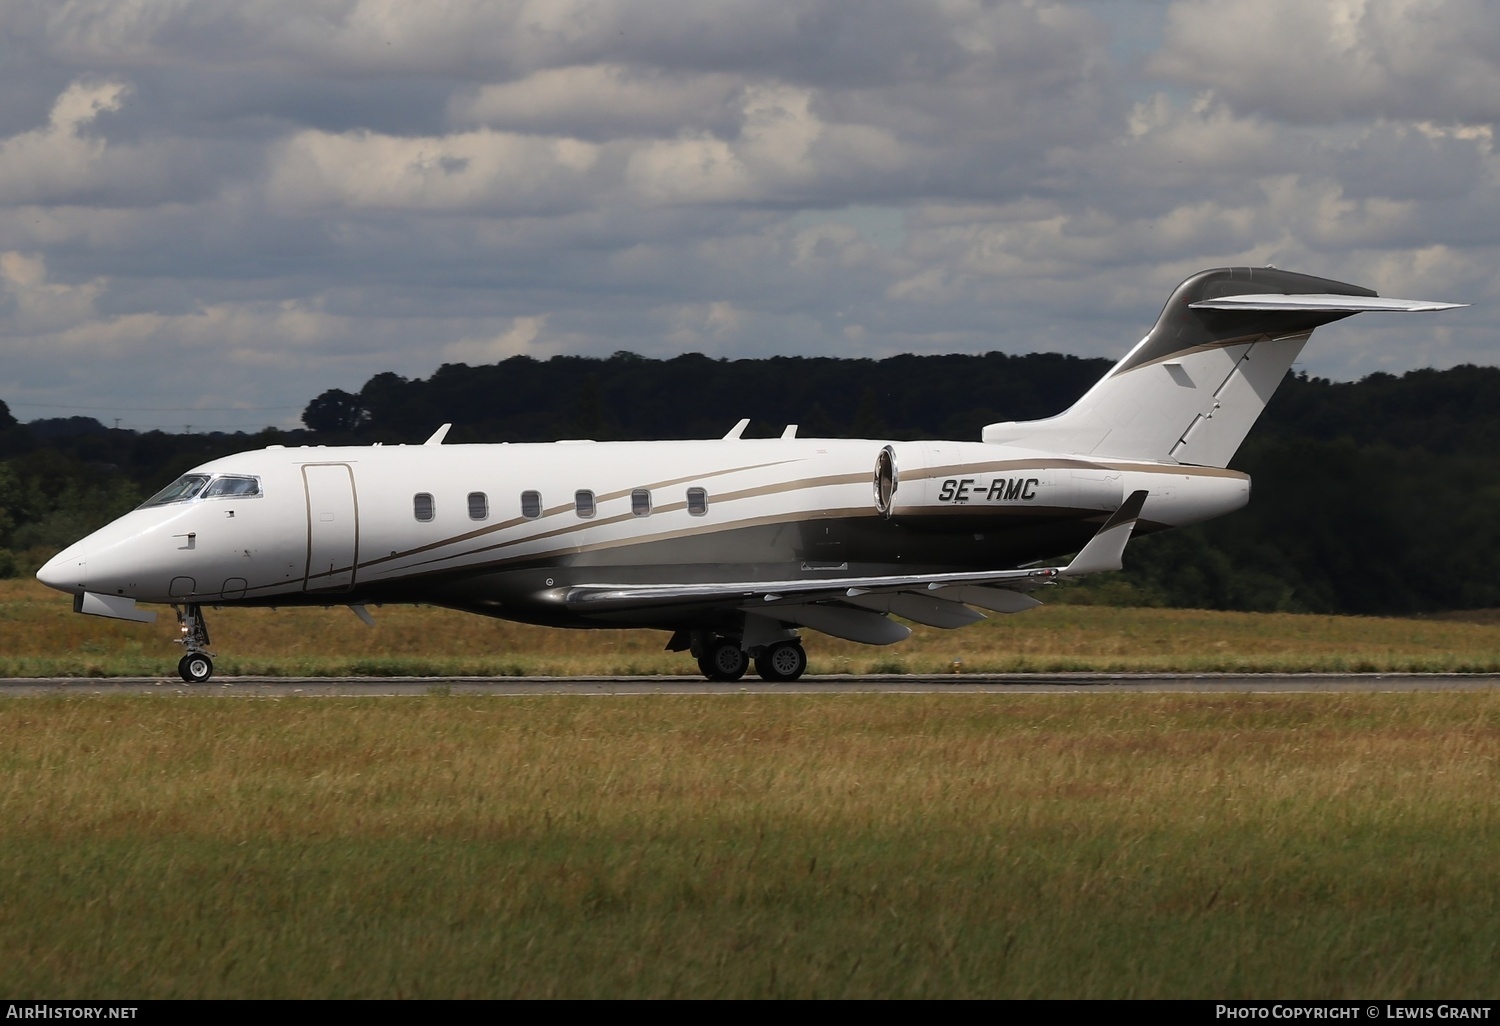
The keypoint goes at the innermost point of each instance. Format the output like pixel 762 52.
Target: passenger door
pixel 332 527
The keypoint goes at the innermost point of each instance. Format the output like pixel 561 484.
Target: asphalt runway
pixel 1053 683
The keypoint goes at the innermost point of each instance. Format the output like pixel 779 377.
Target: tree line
pixel 1369 497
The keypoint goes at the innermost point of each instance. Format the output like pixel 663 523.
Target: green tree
pixel 335 412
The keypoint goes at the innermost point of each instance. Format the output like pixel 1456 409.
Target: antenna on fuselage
pixel 438 435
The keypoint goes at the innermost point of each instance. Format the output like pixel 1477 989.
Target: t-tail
pixel 1190 390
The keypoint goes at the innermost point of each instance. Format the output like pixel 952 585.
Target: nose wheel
pixel 197 666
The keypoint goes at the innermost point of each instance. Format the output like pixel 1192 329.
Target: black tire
pixel 195 667
pixel 724 661
pixel 783 661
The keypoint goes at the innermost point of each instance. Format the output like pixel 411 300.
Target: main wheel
pixel 784 660
pixel 195 667
pixel 724 660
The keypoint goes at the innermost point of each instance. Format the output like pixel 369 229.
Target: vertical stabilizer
pixel 1190 390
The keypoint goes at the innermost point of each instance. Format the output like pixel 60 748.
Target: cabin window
pixel 583 503
pixel 479 506
pixel 422 506
pixel 640 502
pixel 184 488
pixel 531 505
pixel 697 501
pixel 233 486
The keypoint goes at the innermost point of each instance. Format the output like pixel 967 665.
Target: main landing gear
pixel 783 661
pixel 198 665
pixel 723 659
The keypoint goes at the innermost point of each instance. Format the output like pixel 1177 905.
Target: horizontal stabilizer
pixel 116 607
pixel 1325 301
pixel 1106 549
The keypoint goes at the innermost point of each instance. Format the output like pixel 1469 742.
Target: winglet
pixel 1106 548
pixel 438 435
pixel 738 429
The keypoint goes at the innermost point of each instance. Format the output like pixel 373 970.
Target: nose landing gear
pixel 198 665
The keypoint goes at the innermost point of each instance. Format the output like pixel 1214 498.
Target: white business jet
pixel 731 544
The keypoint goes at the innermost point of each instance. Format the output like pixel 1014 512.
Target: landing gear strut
pixel 197 666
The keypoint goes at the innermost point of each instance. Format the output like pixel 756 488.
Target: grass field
pixel 1092 845
pixel 40 635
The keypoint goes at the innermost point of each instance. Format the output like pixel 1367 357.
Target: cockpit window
pixel 184 488
pixel 233 486
pixel 197 486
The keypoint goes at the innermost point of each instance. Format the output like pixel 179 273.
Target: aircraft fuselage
pixel 506 530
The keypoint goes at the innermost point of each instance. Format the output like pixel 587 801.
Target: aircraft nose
pixel 65 571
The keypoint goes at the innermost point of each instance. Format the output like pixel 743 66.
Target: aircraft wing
pixel 856 607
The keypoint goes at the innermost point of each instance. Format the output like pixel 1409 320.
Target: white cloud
pixel 35 305
pixel 312 191
pixel 1340 59
pixel 469 171
pixel 519 339
pixel 60 160
pixel 699 326
pixel 784 152
pixel 604 101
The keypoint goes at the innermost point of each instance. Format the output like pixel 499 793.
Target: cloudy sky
pixel 210 212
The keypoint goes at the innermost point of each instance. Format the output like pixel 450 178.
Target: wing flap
pixel 934 612
pixel 996 600
pixel 863 626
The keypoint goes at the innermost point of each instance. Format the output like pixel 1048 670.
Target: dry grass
pixel 41 636
pixel 1094 845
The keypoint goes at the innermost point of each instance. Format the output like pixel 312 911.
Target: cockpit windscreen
pixel 198 486
pixel 184 488
pixel 235 485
